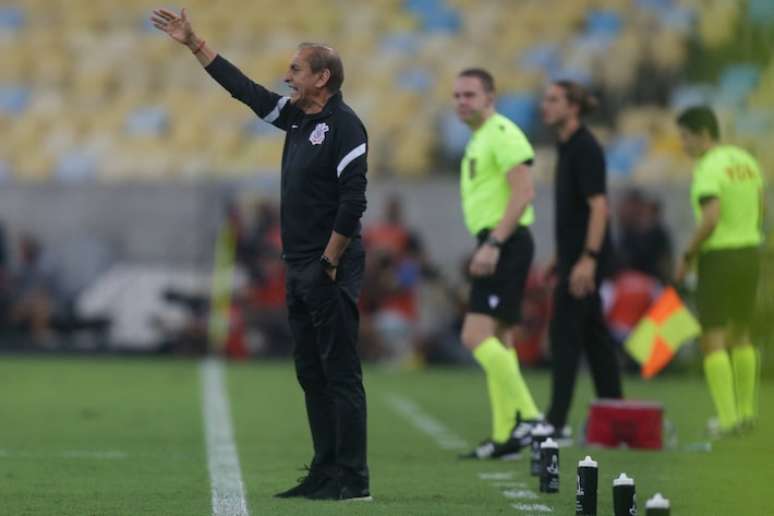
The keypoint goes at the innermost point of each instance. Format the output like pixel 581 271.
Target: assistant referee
pixel 323 198
pixel 727 197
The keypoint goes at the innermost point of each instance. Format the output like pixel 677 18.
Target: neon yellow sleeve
pixel 512 148
pixel 707 179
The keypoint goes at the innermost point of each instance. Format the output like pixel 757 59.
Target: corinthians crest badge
pixel 318 135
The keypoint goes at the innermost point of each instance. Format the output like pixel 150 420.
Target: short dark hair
pixel 699 118
pixel 487 81
pixel 579 96
pixel 321 57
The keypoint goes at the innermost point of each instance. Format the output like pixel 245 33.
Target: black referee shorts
pixel 499 295
pixel 727 284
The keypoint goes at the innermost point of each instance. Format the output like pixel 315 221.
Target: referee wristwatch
pixel 494 242
pixel 327 264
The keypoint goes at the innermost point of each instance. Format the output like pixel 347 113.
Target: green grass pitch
pixel 125 437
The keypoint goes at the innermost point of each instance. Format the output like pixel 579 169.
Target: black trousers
pixel 324 318
pixel 579 325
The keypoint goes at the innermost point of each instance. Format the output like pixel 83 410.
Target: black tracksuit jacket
pixel 323 164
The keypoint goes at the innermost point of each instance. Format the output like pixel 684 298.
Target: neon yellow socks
pixel 524 402
pixel 720 378
pixel 507 390
pixel 744 360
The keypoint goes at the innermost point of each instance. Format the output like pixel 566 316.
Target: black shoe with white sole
pixel 488 449
pixel 522 431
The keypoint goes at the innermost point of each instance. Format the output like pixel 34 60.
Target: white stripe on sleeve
pixel 275 113
pixel 350 157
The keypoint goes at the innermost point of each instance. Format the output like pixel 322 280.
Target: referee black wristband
pixel 591 253
pixel 491 240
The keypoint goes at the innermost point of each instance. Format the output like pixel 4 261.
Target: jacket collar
pixel 330 106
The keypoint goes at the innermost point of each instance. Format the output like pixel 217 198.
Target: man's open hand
pixel 178 27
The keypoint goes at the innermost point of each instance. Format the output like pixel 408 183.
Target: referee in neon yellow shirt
pixel 728 200
pixel 496 189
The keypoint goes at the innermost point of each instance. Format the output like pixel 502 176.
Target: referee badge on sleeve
pixel 318 135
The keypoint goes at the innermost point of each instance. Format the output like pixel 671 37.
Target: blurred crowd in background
pixel 411 309
pixel 412 312
pixel 91 94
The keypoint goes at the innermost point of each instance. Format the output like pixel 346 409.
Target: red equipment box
pixel 636 424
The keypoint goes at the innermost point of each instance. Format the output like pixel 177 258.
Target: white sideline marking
pixel 66 454
pixel 443 437
pixel 510 485
pixel 520 494
pixel 499 475
pixel 87 454
pixel 228 494
pixel 534 507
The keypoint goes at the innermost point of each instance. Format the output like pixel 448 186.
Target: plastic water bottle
pixel 549 466
pixel 586 493
pixel 540 433
pixel 657 506
pixel 624 496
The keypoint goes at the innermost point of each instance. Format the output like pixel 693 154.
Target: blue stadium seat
pixel 446 20
pixel 656 5
pixel 5 171
pixel 14 99
pixel 691 95
pixel 454 134
pixel 603 23
pixel 544 57
pixel 76 165
pixel 405 43
pixel 760 11
pixel 147 121
pixel 414 79
pixel 521 108
pixel 435 15
pixel 11 18
pixel 581 76
pixel 624 153
pixel 736 82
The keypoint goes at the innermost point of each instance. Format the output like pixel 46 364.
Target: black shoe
pixel 522 430
pixel 307 485
pixel 488 449
pixel 338 490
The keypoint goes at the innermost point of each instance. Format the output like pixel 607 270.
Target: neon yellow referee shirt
pixel 734 177
pixel 493 150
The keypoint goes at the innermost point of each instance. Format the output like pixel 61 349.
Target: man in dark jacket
pixel 323 198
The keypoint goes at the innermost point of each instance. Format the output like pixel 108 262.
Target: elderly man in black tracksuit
pixel 323 198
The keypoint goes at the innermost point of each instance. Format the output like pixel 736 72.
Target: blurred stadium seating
pixel 90 91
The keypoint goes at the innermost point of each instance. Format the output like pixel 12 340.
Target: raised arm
pixel 269 106
pixel 179 28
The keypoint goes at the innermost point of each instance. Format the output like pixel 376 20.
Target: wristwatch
pixel 327 264
pixel 591 253
pixel 493 241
